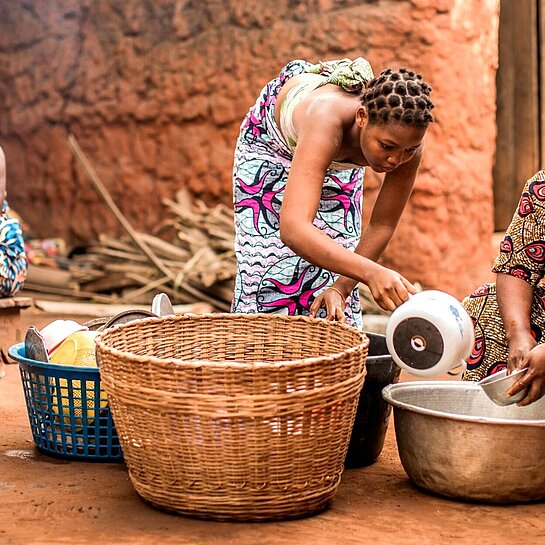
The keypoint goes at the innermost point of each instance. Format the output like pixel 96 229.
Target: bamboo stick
pixel 91 173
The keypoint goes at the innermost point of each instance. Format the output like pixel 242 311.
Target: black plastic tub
pixel 373 413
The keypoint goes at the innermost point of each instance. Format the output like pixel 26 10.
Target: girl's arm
pixel 391 201
pixel 319 139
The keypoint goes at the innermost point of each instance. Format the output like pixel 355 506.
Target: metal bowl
pixel 495 387
pixel 453 441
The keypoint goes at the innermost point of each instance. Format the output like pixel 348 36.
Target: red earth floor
pixel 47 501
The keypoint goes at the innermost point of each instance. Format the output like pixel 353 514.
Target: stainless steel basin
pixel 454 441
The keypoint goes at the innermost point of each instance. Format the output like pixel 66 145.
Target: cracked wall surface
pixel 155 90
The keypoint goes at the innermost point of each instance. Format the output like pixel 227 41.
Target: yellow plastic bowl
pixel 77 349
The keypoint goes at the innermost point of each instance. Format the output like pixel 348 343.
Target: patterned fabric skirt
pixel 13 260
pixel 270 277
pixel 490 352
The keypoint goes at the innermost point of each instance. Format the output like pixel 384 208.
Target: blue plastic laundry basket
pixel 68 411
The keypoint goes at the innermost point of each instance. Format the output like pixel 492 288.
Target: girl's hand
pixel 333 302
pixel 534 378
pixel 388 288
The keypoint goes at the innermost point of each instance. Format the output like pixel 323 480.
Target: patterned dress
pixel 270 277
pixel 522 254
pixel 13 260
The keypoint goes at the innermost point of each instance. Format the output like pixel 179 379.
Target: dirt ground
pixel 47 501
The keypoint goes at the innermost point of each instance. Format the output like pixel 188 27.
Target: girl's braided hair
pixel 398 96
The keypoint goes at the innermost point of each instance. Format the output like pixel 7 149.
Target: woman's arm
pixel 515 295
pixel 319 140
pixel 515 304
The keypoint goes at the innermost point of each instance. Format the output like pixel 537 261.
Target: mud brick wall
pixel 155 91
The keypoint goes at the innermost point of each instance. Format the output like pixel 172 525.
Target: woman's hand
pixel 534 378
pixel 388 288
pixel 333 302
pixel 520 346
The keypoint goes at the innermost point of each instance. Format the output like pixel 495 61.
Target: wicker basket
pixel 234 417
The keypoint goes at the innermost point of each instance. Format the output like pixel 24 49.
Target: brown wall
pixel 155 91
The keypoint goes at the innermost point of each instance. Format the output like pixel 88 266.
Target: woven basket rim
pixel 102 346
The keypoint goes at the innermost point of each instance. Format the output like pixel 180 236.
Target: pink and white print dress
pixel 270 277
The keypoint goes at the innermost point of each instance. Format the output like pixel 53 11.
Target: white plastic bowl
pixel 56 332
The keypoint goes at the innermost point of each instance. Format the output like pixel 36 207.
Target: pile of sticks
pixel 198 266
pixel 193 266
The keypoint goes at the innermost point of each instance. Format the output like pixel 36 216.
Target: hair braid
pixel 398 96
